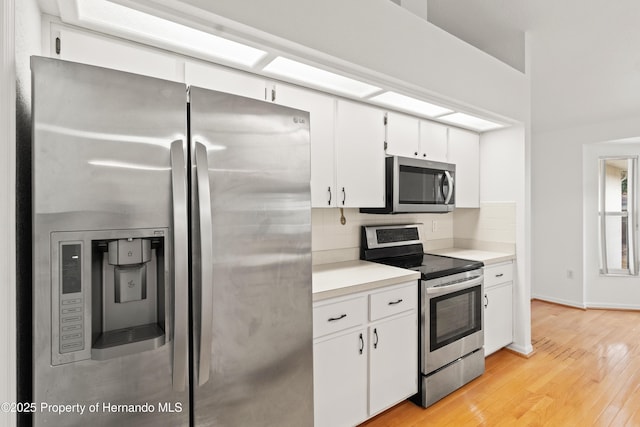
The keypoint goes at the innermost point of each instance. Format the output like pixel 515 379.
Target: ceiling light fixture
pixel 100 14
pixel 471 122
pixel 297 71
pixel 409 104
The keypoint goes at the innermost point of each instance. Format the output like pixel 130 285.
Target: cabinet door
pixel 403 135
pixel 498 317
pixel 322 115
pixel 359 155
pixel 464 151
pixel 393 362
pixel 224 80
pixel 433 141
pixel 103 51
pixel 340 380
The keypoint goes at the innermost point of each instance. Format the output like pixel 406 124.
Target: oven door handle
pixel 445 289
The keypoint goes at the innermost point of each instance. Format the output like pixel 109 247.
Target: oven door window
pixel 454 316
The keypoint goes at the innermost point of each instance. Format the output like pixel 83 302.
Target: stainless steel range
pixel 451 335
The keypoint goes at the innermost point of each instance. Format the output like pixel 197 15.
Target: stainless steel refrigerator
pixel 171 254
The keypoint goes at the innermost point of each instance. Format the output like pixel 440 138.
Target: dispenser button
pixel 71 346
pixel 129 251
pixel 71 336
pixel 131 283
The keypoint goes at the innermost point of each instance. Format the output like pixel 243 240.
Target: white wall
pixel 7 215
pixel 557 202
pixel 505 177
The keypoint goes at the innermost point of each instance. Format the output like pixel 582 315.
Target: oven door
pixel 453 319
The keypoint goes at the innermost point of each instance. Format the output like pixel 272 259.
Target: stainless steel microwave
pixel 416 185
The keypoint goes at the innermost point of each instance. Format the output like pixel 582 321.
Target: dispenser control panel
pixel 71 307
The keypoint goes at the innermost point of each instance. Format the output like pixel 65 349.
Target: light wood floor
pixel 585 372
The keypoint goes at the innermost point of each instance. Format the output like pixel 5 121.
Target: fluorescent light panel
pixel 295 70
pixel 403 102
pixel 469 121
pixel 170 33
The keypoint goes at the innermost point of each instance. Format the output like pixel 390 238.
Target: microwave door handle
pixel 206 262
pixel 450 186
pixel 180 269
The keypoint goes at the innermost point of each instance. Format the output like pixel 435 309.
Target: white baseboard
pixel 561 301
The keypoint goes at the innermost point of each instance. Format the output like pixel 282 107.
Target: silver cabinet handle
pixel 486 299
pixel 206 261
pixel 180 267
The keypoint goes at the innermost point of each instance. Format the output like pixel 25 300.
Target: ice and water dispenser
pixel 109 293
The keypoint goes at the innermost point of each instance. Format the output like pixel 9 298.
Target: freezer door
pixel 110 198
pixel 252 295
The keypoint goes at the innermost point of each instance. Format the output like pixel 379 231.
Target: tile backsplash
pixel 492 227
pixel 333 242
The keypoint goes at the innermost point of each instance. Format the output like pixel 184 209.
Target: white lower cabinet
pixel 371 362
pixel 498 307
pixel 393 362
pixel 340 376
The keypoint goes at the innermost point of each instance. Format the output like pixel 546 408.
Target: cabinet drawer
pixel 338 316
pixel 496 274
pixel 393 301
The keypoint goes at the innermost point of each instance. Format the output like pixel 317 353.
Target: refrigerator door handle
pixel 206 257
pixel 180 267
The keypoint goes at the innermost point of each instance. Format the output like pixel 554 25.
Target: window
pixel 617 211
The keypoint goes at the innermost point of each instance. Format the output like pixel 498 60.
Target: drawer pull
pixel 333 319
pixel 361 344
pixel 500 275
pixel 395 302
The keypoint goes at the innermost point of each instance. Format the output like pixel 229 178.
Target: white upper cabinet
pixel 224 80
pixel 409 136
pixel 322 123
pixel 360 155
pixel 433 141
pixel 403 135
pixel 104 51
pixel 464 152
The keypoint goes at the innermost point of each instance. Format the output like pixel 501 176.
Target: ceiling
pixel 583 55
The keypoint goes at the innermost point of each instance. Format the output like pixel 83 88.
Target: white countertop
pixel 487 257
pixel 343 278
